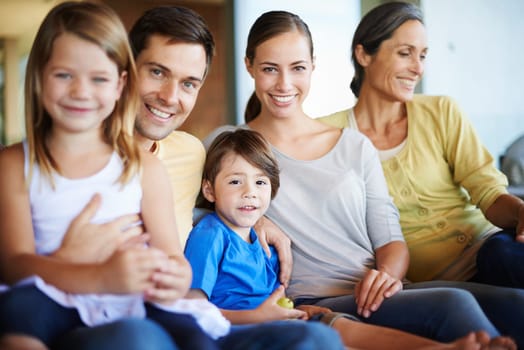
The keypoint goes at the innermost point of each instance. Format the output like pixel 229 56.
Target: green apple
pixel 285 302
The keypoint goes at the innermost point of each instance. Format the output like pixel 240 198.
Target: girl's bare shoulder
pixel 153 169
pixel 12 166
pixel 151 161
pixel 11 155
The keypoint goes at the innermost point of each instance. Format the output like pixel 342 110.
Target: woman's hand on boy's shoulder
pixel 269 233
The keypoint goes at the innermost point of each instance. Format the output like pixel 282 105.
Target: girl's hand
pixel 171 283
pixel 85 242
pixel 131 270
pixel 371 291
pixel 269 310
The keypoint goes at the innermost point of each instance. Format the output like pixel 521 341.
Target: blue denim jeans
pixel 442 314
pixel 28 311
pixel 500 261
pixel 282 335
pixel 503 306
pixel 137 334
pixel 131 333
pixel 31 312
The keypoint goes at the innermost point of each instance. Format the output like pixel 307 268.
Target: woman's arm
pixel 392 261
pixel 158 215
pixel 471 164
pixel 269 310
pixel 269 233
pixel 507 212
pixel 385 235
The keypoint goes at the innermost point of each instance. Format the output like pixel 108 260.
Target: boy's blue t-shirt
pixel 234 274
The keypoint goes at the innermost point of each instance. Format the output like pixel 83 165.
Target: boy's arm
pixel 205 250
pixel 269 310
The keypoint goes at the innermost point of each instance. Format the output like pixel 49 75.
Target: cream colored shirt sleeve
pixel 183 155
pixel 338 119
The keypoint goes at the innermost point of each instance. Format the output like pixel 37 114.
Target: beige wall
pixel 19 21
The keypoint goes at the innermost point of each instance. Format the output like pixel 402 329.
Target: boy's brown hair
pixel 248 144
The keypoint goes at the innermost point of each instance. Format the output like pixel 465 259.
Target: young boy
pixel 230 267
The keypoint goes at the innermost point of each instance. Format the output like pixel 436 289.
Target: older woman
pixel 451 198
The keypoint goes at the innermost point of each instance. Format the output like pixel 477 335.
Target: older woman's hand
pixel 520 224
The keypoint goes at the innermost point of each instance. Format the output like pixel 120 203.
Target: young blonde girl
pixel 81 101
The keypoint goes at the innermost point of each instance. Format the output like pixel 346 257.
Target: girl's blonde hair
pixel 100 25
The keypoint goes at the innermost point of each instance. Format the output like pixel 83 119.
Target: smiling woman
pixel 329 24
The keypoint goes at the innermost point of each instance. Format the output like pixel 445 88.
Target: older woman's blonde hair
pixel 100 25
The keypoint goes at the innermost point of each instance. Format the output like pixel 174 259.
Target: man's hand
pixel 269 233
pixel 85 242
pixel 172 282
pixel 313 310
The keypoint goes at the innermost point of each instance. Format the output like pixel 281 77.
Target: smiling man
pixel 173 49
